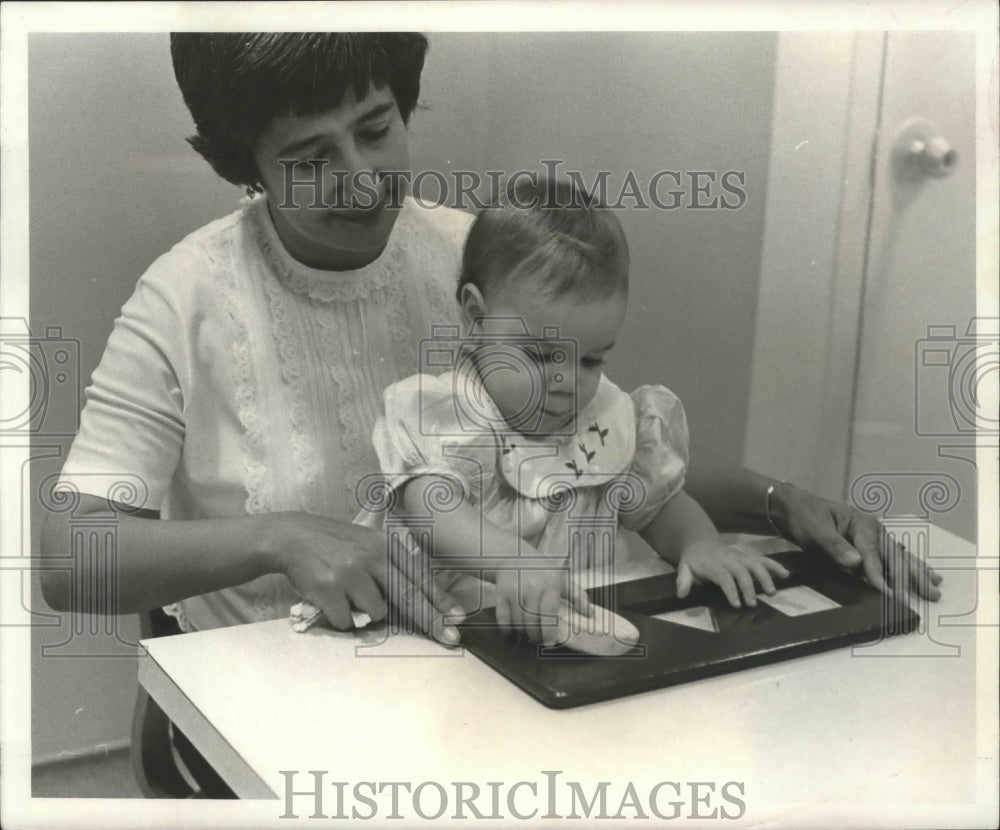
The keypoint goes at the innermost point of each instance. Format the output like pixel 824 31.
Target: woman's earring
pixel 251 191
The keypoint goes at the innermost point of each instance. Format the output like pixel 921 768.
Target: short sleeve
pixel 661 451
pixel 420 434
pixel 132 425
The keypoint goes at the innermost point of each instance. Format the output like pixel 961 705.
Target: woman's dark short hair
pixel 236 84
pixel 551 233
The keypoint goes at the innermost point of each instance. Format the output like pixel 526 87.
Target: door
pixel 919 382
pixel 864 385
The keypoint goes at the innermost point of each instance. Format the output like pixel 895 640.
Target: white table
pixel 885 734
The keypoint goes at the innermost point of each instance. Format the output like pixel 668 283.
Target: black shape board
pixel 669 654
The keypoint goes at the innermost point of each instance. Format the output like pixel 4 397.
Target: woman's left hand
pixel 853 540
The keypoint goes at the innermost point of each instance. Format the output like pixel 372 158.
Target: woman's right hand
pixel 338 566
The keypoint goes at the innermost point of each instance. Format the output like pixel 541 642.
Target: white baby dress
pixel 621 461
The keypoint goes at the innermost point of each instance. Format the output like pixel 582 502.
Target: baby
pixel 524 457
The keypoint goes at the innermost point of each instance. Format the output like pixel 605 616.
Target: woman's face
pixel 342 216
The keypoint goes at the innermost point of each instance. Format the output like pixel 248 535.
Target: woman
pixel 242 381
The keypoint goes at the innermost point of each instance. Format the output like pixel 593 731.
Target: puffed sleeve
pixel 661 451
pixel 420 434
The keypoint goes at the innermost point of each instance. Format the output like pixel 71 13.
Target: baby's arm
pixel 683 534
pixel 462 534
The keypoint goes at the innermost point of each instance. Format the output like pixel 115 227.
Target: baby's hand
pixel 732 569
pixel 528 601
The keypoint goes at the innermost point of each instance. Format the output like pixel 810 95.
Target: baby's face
pixel 541 381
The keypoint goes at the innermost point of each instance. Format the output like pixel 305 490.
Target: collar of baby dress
pixel 316 283
pixel 599 449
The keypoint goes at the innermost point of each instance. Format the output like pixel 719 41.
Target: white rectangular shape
pixel 798 600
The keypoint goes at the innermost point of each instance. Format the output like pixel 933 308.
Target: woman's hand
pixel 854 540
pixel 732 569
pixel 528 601
pixel 339 566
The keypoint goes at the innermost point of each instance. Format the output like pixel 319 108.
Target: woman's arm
pixel 735 499
pixel 333 564
pixel 732 496
pixel 155 562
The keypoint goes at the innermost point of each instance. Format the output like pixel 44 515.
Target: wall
pixel 113 185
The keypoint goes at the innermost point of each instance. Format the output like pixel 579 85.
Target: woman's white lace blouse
pixel 239 381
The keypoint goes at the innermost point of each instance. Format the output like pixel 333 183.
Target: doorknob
pixel 920 151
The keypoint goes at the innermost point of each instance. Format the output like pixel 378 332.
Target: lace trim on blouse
pixel 317 284
pixel 385 276
pixel 273 302
pixel 247 407
pixel 304 449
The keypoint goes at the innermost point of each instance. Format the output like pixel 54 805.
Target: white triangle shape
pixel 699 617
